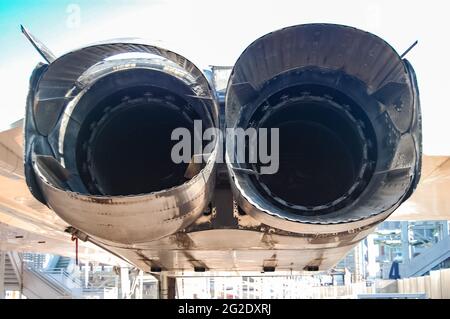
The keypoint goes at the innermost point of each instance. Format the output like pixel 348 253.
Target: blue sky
pixel 216 32
pixel 49 20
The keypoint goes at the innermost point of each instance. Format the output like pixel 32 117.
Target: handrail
pixel 64 274
pixel 46 275
pixel 427 259
pixel 70 284
pixel 52 282
pixel 74 279
pixel 16 262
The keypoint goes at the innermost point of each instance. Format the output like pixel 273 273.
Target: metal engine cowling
pixel 347 109
pixel 98 140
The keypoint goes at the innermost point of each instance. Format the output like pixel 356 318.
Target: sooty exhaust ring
pixel 123 144
pixel 128 148
pixel 327 150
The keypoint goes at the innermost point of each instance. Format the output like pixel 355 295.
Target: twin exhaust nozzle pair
pixel 98 127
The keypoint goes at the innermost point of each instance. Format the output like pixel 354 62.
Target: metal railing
pixel 427 260
pixel 64 283
pixel 51 282
pixel 61 280
pixel 64 277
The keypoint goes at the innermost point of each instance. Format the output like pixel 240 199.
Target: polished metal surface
pixel 134 219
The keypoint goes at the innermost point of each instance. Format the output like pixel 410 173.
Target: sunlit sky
pixel 216 32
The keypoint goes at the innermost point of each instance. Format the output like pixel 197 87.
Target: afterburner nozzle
pixel 99 127
pixel 347 111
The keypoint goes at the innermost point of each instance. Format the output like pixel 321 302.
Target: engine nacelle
pixel 347 110
pixel 98 140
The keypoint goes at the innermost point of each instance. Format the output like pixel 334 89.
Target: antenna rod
pixel 409 49
pixel 39 46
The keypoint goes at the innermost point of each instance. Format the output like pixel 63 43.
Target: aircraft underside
pixel 99 144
